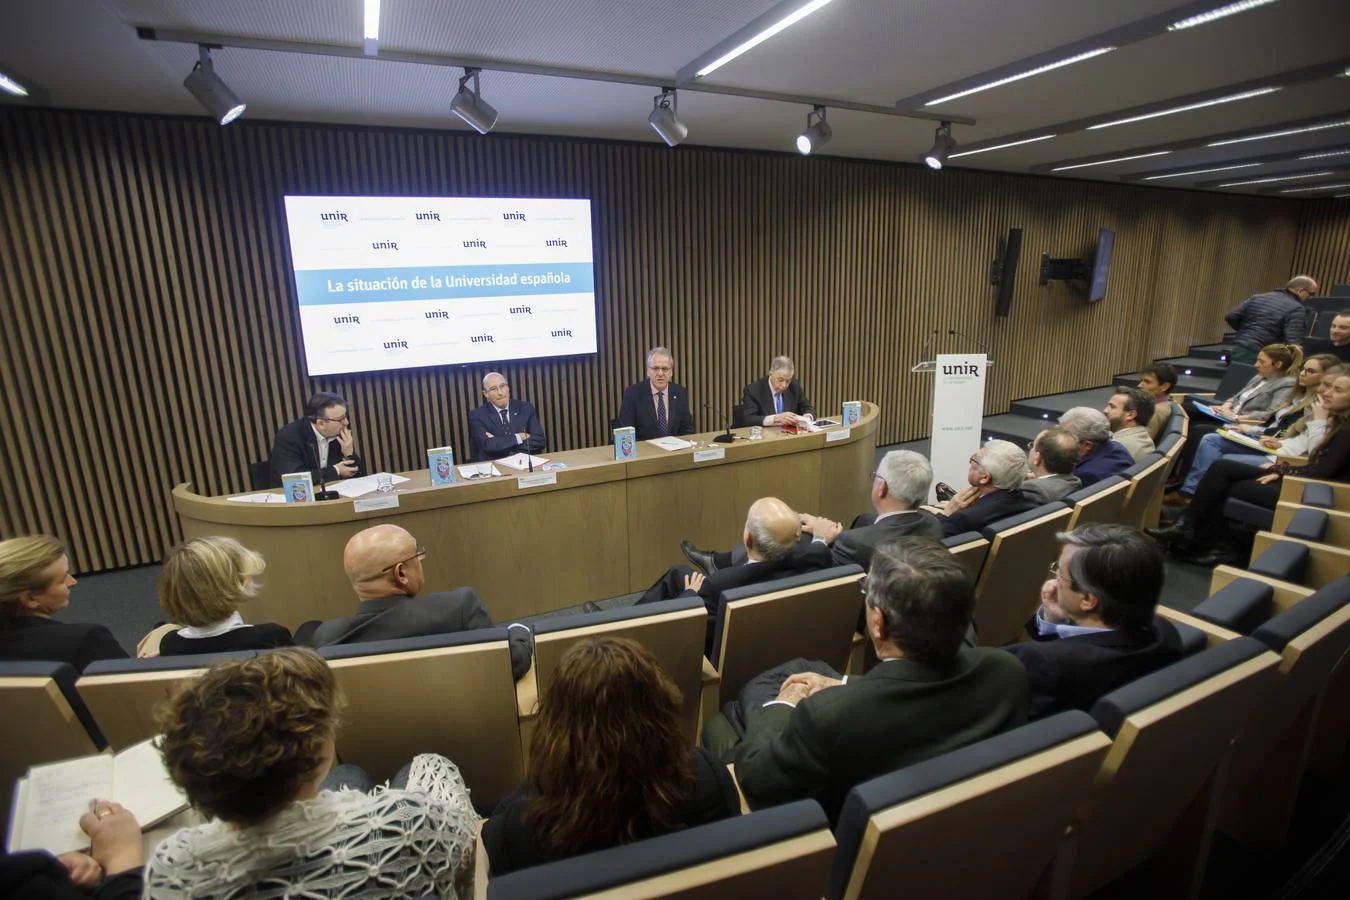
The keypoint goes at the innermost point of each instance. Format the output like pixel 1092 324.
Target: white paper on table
pixel 479 470
pixel 671 443
pixel 259 498
pixel 355 487
pixel 522 461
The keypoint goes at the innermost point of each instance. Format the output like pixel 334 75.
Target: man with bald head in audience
pixel 502 426
pixel 384 564
pixel 1050 464
pixel 772 550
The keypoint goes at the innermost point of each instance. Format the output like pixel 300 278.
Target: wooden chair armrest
pixel 745 807
pixel 481 869
pixel 1214 634
pixel 1286 593
pixel 710 674
pixel 527 694
pixel 710 695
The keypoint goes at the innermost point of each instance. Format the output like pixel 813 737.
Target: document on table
pixel 821 424
pixel 355 487
pixel 671 443
pixel 259 498
pixel 479 470
pixel 522 461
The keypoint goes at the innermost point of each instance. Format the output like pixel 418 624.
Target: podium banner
pixel 958 415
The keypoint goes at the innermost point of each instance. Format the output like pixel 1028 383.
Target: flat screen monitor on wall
pixel 1101 265
pixel 403 282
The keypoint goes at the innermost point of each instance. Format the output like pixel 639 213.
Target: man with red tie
pixel 656 406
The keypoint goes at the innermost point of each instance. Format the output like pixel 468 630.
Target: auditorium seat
pixel 1102 503
pixel 1171 731
pixel 1312 523
pixel 784 852
pixel 971 549
pixel 1241 605
pixel 1309 492
pixel 122 693
pixel 1196 634
pixel 673 630
pixel 261 477
pixel 1307 563
pixel 45 721
pixel 1247 515
pixel 1144 502
pixel 1022 547
pixel 451 694
pixel 983 821
pixel 760 626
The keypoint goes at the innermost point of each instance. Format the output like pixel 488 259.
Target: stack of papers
pixel 355 487
pixel 259 498
pixel 671 443
pixel 1240 438
pixel 522 461
pixel 479 470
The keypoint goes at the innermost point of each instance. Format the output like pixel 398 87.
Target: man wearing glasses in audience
pixel 502 426
pixel 319 443
pixel 384 564
pixel 657 407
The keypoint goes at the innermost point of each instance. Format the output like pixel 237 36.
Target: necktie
pixel 778 403
pixel 505 420
pixel 662 421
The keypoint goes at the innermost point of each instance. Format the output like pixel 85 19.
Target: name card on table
pixel 841 434
pixel 709 455
pixel 369 504
pixel 534 481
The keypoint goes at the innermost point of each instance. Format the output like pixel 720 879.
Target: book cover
pixel 441 464
pixel 625 443
pixel 852 412
pixel 298 487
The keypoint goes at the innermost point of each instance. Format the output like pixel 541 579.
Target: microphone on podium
pixel 721 438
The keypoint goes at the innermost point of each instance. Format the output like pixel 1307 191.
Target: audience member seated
pixel 1096 630
pixel 1159 380
pixel 1050 462
pixel 772 550
pixel 609 763
pixel 1338 344
pixel 1300 424
pixel 929 693
pixel 1201 532
pixel 251 743
pixel 776 399
pixel 1128 413
pixel 35 584
pixel 111 870
pixel 384 564
pixel 995 473
pixel 1098 456
pixel 201 588
pixel 900 483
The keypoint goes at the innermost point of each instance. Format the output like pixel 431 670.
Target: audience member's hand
pixel 809 522
pixel 1050 608
pixel 522 437
pixel 788 418
pixel 1272 443
pixel 1269 479
pixel 827 530
pixel 812 681
pixel 346 442
pixel 115 835
pixel 489 434
pixel 346 468
pixel 84 871
pixel 693 582
pixel 793 692
pixel 1319 411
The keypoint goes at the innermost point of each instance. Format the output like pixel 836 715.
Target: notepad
pixel 479 470
pixel 50 799
pixel 1212 412
pixel 671 443
pixel 355 487
pixel 522 461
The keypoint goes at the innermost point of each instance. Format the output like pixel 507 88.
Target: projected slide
pixel 401 282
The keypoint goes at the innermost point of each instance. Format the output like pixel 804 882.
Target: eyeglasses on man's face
pixel 497 388
pixel 344 420
pixel 420 554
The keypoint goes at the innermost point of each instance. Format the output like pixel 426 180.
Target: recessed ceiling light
pixel 1107 162
pixel 1201 171
pixel 1273 180
pixel 792 14
pixel 371 34
pixel 1044 137
pixel 1222 12
pixel 1323 126
pixel 1187 108
pixel 10 86
pixel 1020 75
pixel 1320 187
pixel 1345 152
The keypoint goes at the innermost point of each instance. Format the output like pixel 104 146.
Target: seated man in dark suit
pixel 384 563
pixel 899 485
pixel 1050 464
pixel 928 695
pixel 320 443
pixel 776 399
pixel 1098 456
pixel 502 426
pixel 1096 629
pixel 1337 344
pixel 772 551
pixel 995 473
pixel 656 406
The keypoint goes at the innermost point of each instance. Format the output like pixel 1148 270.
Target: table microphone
pixel 721 438
pixel 324 493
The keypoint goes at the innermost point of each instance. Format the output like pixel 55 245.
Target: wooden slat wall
pixel 150 334
pixel 1324 242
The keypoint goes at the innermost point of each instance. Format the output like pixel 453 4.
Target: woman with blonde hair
pixel 203 584
pixel 609 764
pixel 35 583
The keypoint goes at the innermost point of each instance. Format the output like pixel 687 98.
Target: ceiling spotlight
pixel 817 132
pixel 943 142
pixel 211 92
pixel 664 120
pixel 470 106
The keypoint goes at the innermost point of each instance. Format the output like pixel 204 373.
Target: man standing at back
pixel 502 426
pixel 320 443
pixel 776 399
pixel 1271 318
pixel 657 407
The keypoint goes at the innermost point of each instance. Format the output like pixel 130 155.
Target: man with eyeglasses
pixel 657 407
pixel 319 443
pixel 1096 629
pixel 384 564
pixel 1276 316
pixel 502 426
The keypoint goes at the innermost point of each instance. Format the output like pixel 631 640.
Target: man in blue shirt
pixel 1098 456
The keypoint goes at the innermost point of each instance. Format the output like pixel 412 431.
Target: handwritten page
pixel 55 796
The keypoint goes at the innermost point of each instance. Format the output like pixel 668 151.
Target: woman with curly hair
pixel 251 742
pixel 609 763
